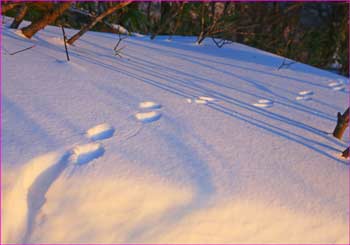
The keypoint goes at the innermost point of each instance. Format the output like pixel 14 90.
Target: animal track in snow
pixel 83 154
pixel 100 132
pixel 304 95
pixel 306 98
pixel 149 105
pixel 147 117
pixel 201 100
pixel 337 85
pixel 263 103
pixel 206 98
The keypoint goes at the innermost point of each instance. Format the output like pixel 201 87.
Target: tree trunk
pixel 166 21
pixel 346 153
pixel 148 14
pixel 96 20
pixel 178 20
pixel 342 124
pixel 46 19
pixel 8 6
pixel 20 16
pixel 202 35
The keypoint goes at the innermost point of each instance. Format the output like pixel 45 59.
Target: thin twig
pixel 116 49
pixel 284 64
pixel 221 42
pixel 65 42
pixel 22 50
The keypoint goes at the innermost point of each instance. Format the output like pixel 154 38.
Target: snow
pixel 85 153
pixel 200 101
pixel 219 150
pixel 121 29
pixel 149 105
pixel 210 99
pixel 306 92
pixel 148 116
pixel 100 132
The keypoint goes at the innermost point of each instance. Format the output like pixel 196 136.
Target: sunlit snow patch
pixel 55 40
pixel 19 199
pixel 20 33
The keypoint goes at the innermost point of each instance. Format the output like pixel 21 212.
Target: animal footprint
pixel 149 105
pixel 83 154
pixel 337 85
pixel 304 95
pixel 263 103
pixel 201 100
pixel 148 116
pixel 100 132
pixel 206 98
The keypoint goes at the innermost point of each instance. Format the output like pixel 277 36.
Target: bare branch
pixel 221 42
pixel 96 20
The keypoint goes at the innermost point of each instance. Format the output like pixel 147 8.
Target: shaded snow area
pixel 172 143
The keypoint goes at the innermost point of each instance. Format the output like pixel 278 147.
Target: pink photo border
pixel 1 71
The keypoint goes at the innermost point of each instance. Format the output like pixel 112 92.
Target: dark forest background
pixel 313 33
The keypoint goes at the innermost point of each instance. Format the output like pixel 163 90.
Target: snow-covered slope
pixel 173 143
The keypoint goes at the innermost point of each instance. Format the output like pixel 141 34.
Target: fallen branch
pixel 284 64
pixel 221 42
pixel 97 19
pixel 49 17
